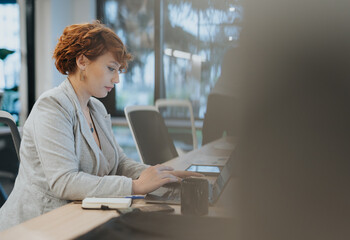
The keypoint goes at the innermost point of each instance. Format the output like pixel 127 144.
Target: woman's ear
pixel 82 61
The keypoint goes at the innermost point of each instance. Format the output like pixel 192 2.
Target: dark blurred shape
pixel 143 225
pixel 220 116
pixel 4 53
pixel 194 196
pixel 293 166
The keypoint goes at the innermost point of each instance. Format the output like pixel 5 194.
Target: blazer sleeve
pixel 55 143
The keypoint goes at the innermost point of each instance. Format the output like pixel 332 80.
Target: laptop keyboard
pixel 175 194
pixel 171 193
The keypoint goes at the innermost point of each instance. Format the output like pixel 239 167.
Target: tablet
pixel 205 169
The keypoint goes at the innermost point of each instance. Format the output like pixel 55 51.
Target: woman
pixel 68 149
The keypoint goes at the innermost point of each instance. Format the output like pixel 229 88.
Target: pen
pixel 135 197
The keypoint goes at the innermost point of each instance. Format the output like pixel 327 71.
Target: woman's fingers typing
pixel 153 178
pixel 163 167
pixel 158 175
pixel 185 174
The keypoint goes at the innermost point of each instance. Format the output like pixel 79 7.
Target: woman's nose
pixel 115 80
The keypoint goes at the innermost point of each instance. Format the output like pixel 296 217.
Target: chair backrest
pixel 7 118
pixel 165 103
pixel 150 134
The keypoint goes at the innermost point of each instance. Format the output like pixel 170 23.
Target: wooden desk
pixel 71 220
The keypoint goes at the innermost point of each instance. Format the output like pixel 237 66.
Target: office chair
pixel 9 174
pixel 165 106
pixel 150 134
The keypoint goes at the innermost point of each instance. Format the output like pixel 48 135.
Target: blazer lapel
pixel 86 132
pixel 83 125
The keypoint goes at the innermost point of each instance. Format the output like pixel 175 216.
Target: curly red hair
pixel 92 40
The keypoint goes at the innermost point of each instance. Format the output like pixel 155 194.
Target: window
pixel 10 57
pixel 195 36
pixel 133 22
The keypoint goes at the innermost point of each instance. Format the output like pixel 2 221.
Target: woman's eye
pixel 111 69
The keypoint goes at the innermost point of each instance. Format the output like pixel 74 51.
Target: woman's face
pixel 101 74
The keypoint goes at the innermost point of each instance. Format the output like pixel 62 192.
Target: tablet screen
pixel 203 169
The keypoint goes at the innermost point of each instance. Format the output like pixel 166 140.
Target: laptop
pixel 171 193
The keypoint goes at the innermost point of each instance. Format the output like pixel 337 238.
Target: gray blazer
pixel 60 160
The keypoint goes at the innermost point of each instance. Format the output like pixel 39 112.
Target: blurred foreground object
pixel 293 156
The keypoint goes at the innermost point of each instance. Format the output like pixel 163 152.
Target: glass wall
pixel 196 34
pixel 10 56
pixel 133 21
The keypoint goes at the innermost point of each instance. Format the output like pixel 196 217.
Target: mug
pixel 194 196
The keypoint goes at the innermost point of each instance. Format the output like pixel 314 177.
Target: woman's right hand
pixel 152 178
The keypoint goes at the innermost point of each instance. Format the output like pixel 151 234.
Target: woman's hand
pixel 152 178
pixel 156 176
pixel 186 174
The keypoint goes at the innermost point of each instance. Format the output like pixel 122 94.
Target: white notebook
pixel 106 203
